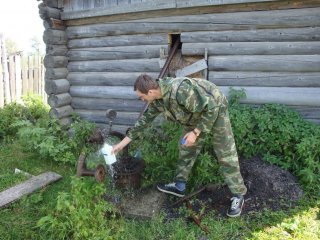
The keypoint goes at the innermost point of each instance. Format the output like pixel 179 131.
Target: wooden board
pixel 193 68
pixel 33 184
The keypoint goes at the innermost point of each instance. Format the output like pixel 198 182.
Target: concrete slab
pixel 143 205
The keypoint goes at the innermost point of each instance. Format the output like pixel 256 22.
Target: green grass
pixel 18 221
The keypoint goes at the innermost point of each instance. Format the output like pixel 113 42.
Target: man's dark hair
pixel 144 83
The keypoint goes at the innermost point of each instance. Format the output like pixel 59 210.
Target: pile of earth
pixel 269 187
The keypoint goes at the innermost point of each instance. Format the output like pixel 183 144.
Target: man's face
pixel 146 97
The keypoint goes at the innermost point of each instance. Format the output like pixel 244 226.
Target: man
pixel 200 107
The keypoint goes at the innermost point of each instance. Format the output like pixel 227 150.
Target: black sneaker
pixel 236 206
pixel 171 189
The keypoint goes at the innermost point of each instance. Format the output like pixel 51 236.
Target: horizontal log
pixel 267 79
pixel 308 112
pixel 103 92
pixel 253 35
pixel 205 22
pixel 106 78
pixel 266 63
pixel 123 40
pixel 120 9
pixel 53 23
pixel 252 48
pixel 114 53
pixel 146 6
pixel 56 50
pixel 51 36
pixel 56 73
pixel 57 86
pixel 54 3
pixel 198 3
pixel 55 61
pixel 59 100
pixel 130 65
pixel 97 116
pixel 61 112
pixel 105 104
pixel 263 6
pixel 46 12
pixel 282 95
pixel 65 121
pixel 289 17
pixel 115 127
pixel 315 121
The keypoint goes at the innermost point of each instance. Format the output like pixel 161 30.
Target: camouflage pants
pixel 225 149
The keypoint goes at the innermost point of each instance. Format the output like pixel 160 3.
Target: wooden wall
pixel 272 50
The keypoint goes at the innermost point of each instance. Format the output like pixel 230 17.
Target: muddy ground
pixel 269 187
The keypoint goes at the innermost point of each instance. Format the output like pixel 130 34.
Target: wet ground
pixel 269 187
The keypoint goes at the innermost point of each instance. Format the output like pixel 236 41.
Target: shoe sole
pixel 237 215
pixel 173 193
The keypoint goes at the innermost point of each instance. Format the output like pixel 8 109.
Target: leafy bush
pixel 49 139
pixel 36 107
pixel 32 110
pixel 159 147
pixel 81 214
pixel 9 114
pixel 282 137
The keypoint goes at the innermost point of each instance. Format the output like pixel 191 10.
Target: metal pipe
pixel 173 50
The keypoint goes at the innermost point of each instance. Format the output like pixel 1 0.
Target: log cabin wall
pixel 56 84
pixel 269 48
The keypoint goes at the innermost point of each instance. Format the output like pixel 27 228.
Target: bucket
pixel 127 172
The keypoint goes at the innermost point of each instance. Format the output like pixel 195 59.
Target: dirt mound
pixel 268 187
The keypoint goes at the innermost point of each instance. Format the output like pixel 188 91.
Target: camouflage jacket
pixel 192 102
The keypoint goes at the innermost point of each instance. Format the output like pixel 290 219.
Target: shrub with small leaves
pixel 51 140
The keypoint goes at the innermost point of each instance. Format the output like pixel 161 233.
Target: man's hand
pixel 190 138
pixel 118 147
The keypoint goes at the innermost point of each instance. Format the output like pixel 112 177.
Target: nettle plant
pixel 281 136
pixel 81 213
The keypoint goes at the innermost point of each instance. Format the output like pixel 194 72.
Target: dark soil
pixel 269 187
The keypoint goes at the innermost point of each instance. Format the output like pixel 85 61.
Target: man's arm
pixel 118 147
pixel 146 119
